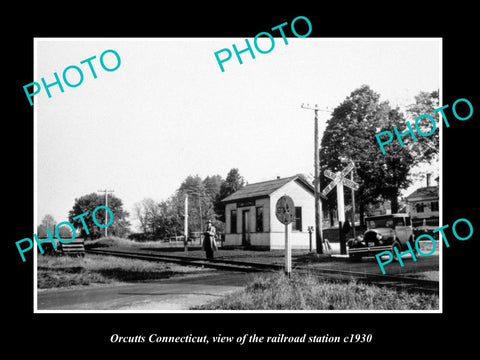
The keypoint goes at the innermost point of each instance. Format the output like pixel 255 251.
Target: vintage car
pixel 383 233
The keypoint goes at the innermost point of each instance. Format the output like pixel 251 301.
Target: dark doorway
pixel 246 227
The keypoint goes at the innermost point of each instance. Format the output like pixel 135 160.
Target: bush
pixel 109 241
pixel 308 292
pixel 141 237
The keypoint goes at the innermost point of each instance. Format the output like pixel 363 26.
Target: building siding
pixel 273 235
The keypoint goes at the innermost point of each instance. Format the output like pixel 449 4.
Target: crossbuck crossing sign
pixel 340 177
pixel 338 180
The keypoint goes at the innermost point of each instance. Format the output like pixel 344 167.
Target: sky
pixel 168 111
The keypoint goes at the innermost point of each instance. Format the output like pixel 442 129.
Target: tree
pixel 198 201
pixel 48 222
pixel 148 212
pixel 170 221
pixel 212 185
pixel 425 149
pixel 393 170
pixel 350 136
pixel 141 216
pixel 166 218
pixel 233 182
pixel 88 203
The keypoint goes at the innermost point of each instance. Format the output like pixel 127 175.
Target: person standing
pixel 209 244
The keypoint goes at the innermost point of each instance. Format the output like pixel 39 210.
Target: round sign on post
pixel 285 212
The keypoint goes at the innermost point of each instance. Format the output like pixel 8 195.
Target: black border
pixel 81 333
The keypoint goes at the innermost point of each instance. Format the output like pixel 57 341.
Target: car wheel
pixel 397 245
pixel 354 257
pixel 411 241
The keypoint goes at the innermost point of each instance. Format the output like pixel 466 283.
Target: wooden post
pixel 106 205
pixel 318 201
pixel 288 253
pixel 106 212
pixel 353 207
pixel 310 230
pixel 341 216
pixel 185 226
pixel 316 184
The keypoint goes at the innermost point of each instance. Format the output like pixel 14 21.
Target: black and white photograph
pixel 194 164
pixel 274 183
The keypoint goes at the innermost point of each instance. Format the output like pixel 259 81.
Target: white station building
pixel 251 220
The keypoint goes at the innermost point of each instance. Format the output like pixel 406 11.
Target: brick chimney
pixel 428 179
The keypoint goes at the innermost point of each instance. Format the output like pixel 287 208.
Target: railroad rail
pixel 397 282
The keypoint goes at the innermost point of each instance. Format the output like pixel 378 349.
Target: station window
pixel 434 205
pixel 259 219
pixel 297 224
pixel 233 222
pixel 420 207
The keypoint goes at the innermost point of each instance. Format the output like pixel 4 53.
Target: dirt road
pixel 179 293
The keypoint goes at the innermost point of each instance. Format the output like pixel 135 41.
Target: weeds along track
pixel 397 282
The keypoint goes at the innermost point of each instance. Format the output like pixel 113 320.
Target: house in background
pixel 250 214
pixel 423 205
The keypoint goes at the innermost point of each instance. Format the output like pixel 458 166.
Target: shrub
pixel 308 292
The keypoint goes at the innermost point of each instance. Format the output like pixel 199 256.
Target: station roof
pixel 265 188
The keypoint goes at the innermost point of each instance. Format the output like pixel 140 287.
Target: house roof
pixel 265 188
pixel 424 193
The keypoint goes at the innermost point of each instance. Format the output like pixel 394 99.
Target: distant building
pixel 250 214
pixel 423 205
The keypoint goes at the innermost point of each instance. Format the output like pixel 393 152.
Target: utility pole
pixel 199 196
pixel 353 206
pixel 185 244
pixel 316 185
pixel 200 207
pixel 106 205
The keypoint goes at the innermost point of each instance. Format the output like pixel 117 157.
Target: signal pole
pixel 316 184
pixel 106 205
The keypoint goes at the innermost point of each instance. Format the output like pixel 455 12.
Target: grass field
pixel 306 292
pixel 267 292
pixel 65 271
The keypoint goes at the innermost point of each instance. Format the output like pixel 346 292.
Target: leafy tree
pixel 212 185
pixel 233 182
pixel 350 136
pixel 140 215
pixel 166 218
pixel 198 201
pixel 425 149
pixel 88 203
pixel 170 221
pixel 48 222
pixel 202 195
pixel 148 212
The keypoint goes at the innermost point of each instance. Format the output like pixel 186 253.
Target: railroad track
pixel 396 282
